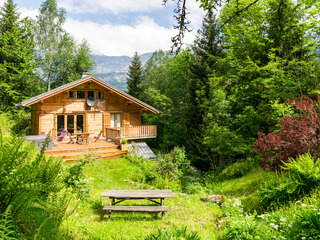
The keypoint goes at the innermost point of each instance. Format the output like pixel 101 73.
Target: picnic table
pixel 118 196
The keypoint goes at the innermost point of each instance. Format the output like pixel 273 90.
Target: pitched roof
pixel 78 82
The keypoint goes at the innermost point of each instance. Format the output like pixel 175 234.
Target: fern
pixel 31 185
pixel 176 233
pixel 7 227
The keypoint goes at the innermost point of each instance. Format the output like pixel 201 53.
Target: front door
pixel 71 122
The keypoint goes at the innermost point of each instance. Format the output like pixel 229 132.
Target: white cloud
pixel 144 35
pixel 28 13
pixel 114 40
pixel 114 6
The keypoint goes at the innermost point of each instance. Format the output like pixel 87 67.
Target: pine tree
pixel 134 76
pixel 207 50
pixel 17 63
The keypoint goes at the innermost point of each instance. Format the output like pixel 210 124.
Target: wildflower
pixel 283 219
pixel 303 205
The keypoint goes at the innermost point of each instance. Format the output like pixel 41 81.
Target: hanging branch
pixel 183 22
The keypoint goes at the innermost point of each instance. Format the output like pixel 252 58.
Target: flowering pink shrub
pixel 297 135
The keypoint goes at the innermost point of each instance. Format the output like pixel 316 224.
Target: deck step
pixel 97 153
pixel 136 208
pixel 84 149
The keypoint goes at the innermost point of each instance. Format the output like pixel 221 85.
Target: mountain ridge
pixel 114 69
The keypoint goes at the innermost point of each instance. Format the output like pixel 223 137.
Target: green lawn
pixel 88 221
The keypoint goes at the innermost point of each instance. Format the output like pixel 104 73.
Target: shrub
pixel 74 177
pixel 148 171
pixel 174 164
pixel 297 135
pixel 193 188
pixel 303 176
pixel 238 169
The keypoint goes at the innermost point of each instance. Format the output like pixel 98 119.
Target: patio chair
pixel 62 135
pixel 43 133
pixel 71 138
pixel 98 136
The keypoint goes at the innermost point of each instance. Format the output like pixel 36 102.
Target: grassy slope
pixel 89 221
pixel 244 188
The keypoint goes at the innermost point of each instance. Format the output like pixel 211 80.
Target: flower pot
pixel 124 147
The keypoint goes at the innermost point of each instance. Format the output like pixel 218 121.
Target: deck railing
pixel 136 132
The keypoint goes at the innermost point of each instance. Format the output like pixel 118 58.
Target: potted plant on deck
pixel 124 144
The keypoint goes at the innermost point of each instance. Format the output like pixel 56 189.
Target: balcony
pixel 130 133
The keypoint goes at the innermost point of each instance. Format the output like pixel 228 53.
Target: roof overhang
pixel 81 81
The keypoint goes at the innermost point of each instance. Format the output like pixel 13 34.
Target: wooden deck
pixel 130 133
pixel 71 152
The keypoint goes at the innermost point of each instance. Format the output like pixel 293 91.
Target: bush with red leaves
pixel 297 135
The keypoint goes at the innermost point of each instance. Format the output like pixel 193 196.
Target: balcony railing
pixel 136 132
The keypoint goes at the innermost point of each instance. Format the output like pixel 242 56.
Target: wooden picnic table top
pixel 138 194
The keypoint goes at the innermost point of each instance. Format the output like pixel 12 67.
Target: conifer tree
pixel 17 63
pixel 134 76
pixel 207 50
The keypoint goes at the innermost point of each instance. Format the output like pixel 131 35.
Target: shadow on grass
pixel 97 207
pixel 130 216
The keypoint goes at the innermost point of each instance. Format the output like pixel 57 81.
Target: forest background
pixel 217 99
pixel 214 96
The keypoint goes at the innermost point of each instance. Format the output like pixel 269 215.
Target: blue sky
pixel 120 27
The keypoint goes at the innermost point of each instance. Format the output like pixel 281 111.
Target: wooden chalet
pixel 89 105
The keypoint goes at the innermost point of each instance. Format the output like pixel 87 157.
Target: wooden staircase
pixel 70 155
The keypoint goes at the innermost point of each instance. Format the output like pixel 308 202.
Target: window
pixel 100 95
pixel 70 94
pixel 115 120
pixel 80 94
pixel 92 94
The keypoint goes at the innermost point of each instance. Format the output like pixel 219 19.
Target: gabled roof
pixel 76 83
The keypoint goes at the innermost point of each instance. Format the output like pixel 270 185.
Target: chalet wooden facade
pixel 89 105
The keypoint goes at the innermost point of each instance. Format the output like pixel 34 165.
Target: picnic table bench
pixel 118 196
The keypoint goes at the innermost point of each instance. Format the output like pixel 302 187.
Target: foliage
pixel 297 135
pixel 173 164
pixel 61 59
pixel 124 141
pixel 7 227
pixel 147 173
pixel 175 233
pixel 17 64
pixel 303 176
pixel 74 177
pixel 134 76
pixel 165 80
pixel 30 183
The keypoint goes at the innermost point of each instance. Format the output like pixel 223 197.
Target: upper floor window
pixel 100 95
pixel 92 94
pixel 80 94
pixel 70 94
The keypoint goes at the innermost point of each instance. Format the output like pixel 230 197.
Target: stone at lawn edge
pixel 216 198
